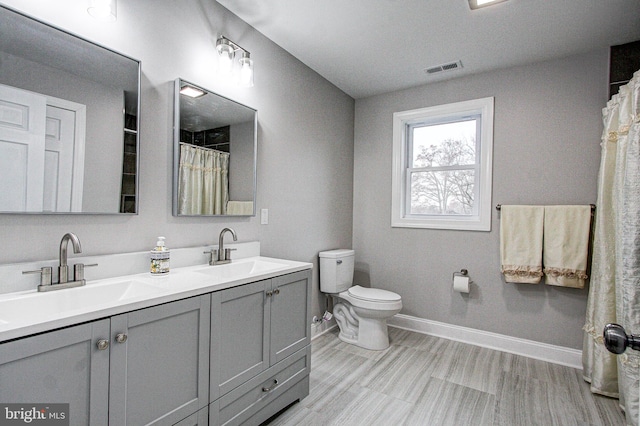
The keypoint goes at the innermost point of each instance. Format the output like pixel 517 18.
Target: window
pixel 442 166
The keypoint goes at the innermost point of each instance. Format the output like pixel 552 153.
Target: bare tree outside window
pixel 443 169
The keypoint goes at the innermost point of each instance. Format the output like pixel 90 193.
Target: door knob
pixel 616 340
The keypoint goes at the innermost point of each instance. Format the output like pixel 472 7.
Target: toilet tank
pixel 336 270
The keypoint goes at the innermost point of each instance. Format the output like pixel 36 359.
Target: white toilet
pixel 361 313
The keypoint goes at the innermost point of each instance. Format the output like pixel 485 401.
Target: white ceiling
pixel 367 47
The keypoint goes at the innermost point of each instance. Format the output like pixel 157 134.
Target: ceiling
pixel 367 47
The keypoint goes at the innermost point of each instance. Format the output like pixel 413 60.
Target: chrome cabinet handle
pixel 121 337
pixel 276 291
pixel 339 262
pixel 275 383
pixel 269 293
pixel 102 344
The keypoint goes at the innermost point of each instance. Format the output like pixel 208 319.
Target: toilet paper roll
pixel 461 284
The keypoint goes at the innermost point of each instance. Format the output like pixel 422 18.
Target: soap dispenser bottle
pixel 160 258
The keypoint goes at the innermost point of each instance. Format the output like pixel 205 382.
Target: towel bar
pixel 593 207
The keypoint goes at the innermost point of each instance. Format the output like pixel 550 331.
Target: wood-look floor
pixel 426 380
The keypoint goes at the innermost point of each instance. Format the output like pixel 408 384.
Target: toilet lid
pixel 373 294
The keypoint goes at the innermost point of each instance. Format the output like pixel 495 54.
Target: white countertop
pixel 28 312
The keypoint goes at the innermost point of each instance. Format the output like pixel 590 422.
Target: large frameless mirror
pixel 215 151
pixel 68 122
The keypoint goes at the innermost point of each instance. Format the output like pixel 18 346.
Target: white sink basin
pixel 28 312
pixel 241 268
pixel 39 304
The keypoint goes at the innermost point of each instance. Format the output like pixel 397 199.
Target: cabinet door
pixel 290 310
pixel 63 366
pixel 201 418
pixel 160 374
pixel 239 336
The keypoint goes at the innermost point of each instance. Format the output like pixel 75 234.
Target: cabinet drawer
pixel 246 400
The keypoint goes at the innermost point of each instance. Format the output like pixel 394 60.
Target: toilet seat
pixel 372 294
pixel 372 298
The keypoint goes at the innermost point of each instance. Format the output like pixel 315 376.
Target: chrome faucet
pixel 222 255
pixel 63 269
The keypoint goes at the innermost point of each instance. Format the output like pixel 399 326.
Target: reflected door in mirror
pixel 91 103
pixel 42 151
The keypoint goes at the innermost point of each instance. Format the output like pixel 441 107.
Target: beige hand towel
pixel 566 245
pixel 241 208
pixel 521 229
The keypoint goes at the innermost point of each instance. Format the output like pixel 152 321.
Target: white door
pixel 22 129
pixel 58 163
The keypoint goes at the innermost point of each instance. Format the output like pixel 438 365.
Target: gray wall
pixel 547 129
pixel 305 137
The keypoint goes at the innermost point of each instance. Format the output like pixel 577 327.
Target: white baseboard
pixel 529 348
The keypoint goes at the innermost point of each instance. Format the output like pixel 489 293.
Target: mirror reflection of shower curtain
pixel 203 181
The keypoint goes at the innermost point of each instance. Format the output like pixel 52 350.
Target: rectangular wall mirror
pixel 215 152
pixel 68 122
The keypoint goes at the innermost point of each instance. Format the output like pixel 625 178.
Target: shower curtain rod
pixel 204 147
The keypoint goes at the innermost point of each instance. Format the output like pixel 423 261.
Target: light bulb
pixel 225 65
pixel 245 78
pixel 103 10
pixel 226 54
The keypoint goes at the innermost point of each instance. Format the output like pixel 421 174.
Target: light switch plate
pixel 264 216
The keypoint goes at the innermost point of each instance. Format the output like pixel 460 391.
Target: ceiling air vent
pixel 444 67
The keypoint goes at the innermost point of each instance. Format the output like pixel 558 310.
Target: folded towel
pixel 566 245
pixel 521 229
pixel 240 208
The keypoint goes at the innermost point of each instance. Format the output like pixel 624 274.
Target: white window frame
pixel 480 220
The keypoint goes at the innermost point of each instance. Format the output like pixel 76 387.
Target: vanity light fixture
pixel 477 4
pixel 240 71
pixel 103 10
pixel 192 92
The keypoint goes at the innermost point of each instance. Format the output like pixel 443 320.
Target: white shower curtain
pixel 614 293
pixel 203 181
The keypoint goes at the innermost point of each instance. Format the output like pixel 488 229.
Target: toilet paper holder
pixel 462 273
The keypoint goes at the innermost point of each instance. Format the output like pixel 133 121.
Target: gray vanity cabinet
pixel 235 356
pixel 149 366
pixel 260 340
pixel 64 366
pixel 160 363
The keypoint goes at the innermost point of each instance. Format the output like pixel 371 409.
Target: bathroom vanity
pixel 216 345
